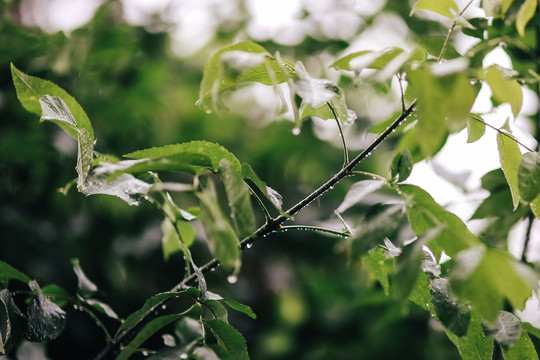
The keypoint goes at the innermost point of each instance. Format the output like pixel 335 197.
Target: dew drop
pixel 249 245
pixel 296 131
pixel 163 307
pixel 208 111
pixel 184 356
pixel 232 279
pixel 145 353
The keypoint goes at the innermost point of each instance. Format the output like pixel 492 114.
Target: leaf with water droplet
pixel 271 194
pixel 454 315
pixel 315 92
pixel 231 339
pixel 85 287
pixel 402 165
pixel 46 320
pixel 102 308
pixel 12 323
pixel 506 330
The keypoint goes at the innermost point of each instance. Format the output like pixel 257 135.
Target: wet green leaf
pixel 401 166
pixel 188 162
pixel 46 320
pixel 529 176
pixel 271 194
pixel 358 191
pixel 102 308
pixel 521 350
pixel 7 272
pixel 447 8
pixel 189 330
pixel 12 323
pixel 506 330
pixel 453 315
pixel 85 287
pixel 228 337
pixel 235 305
pixel 475 345
pixel 510 157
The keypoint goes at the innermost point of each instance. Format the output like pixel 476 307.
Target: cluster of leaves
pixel 468 294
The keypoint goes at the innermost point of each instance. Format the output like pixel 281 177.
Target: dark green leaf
pixel 475 345
pixel 529 176
pixel 358 191
pixel 154 326
pixel 29 91
pixel 134 318
pixel 229 338
pixel 85 157
pixel 102 308
pixel 239 199
pixel 510 157
pixel 235 305
pixel 189 330
pixel 170 242
pixel 453 315
pixel 523 349
pixel 85 287
pixel 217 309
pixel 57 295
pixel 221 237
pixel 12 323
pixel 271 194
pixel 188 162
pixel 7 272
pixel 215 152
pixel 46 320
pixel 402 165
pixel 506 330
pixel 375 262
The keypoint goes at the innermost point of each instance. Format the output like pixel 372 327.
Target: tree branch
pixel 112 350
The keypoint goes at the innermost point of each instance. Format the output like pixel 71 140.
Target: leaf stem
pixel 315 228
pixel 450 32
pixel 502 132
pixel 345 151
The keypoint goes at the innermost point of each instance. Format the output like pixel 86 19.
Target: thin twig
pixel 345 151
pixel 502 132
pixel 315 228
pixel 454 24
pixel 111 350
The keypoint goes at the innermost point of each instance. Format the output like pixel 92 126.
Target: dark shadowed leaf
pixel 189 330
pixel 85 287
pixel 12 323
pixel 217 309
pixel 46 320
pixel 402 165
pixel 453 315
pixel 271 194
pixel 529 176
pixel 235 305
pixel 228 337
pixel 7 272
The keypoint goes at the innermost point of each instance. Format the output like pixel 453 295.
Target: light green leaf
pixel 367 59
pixel 358 191
pixel 229 338
pixel 374 262
pixel 46 320
pixel 7 272
pixel 531 329
pixel 496 7
pixel 235 305
pixel 154 326
pixel 221 237
pixel 239 199
pixel 504 90
pixel 453 315
pixel 214 151
pixel 488 276
pixel 30 89
pixel 134 318
pixel 523 349
pixel 85 286
pixel 441 7
pixel 510 157
pixel 402 165
pixel 424 214
pixel 338 103
pixel 529 176
pixel 524 15
pixel 170 242
pixel 506 330
pixel 475 345
pixel 475 128
pixel 535 207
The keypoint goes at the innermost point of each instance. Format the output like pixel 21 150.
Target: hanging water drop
pixel 145 353
pixel 163 307
pixel 249 245
pixel 296 131
pixel 232 279
pixel 184 356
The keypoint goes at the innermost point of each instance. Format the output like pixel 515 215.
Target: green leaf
pixel 170 242
pixel 441 7
pixel 54 109
pixel 134 318
pixel 475 345
pixel 475 128
pixel 223 71
pixel 496 204
pixel 235 305
pixel 358 191
pixel 521 350
pixel 529 176
pixel 524 15
pixel 204 353
pixel 57 295
pixel 271 194
pixel 239 199
pixel 221 237
pixel 312 91
pixel 489 276
pixel 85 157
pixel 154 326
pixel 337 103
pixel 402 165
pixel 535 207
pixel 506 330
pixel 12 323
pixel 102 308
pixel 496 7
pixel 531 329
pixel 85 287
pixel 215 152
pixel 424 214
pixel 504 90
pixel 7 272
pixel 229 338
pixel 29 91
pixel 510 157
pixel 189 330
pixel 46 320
pixel 368 59
pixel 453 315
pixel 188 162
pixel 375 262
pixel 217 309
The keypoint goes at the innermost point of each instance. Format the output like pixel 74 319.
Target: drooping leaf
pixel 529 176
pixel 29 91
pixel 102 308
pixel 401 166
pixel 271 194
pixel 239 199
pixel 189 330
pixel 510 157
pixel 374 262
pixel 228 337
pixel 134 318
pixel 154 326
pixel 524 15
pixel 522 349
pixel 53 108
pixel 7 272
pixel 170 242
pixel 215 152
pixel 221 237
pixel 488 276
pixel 217 309
pixel 46 320
pixel 235 305
pixel 441 7
pixel 358 191
pixel 504 90
pixel 475 345
pixel 506 330
pixel 12 323
pixel 85 287
pixel 475 128
pixel 453 315
pixel 315 92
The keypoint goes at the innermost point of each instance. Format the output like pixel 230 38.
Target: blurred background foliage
pixel 138 84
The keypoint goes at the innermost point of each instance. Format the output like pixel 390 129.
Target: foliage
pixel 417 250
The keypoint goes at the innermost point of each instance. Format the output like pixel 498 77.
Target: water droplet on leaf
pixel 232 279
